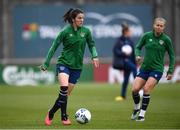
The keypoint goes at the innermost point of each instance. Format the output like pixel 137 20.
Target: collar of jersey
pixel 77 28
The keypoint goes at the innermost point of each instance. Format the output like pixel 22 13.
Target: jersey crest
pixel 161 42
pixel 70 34
pixel 150 40
pixel 82 34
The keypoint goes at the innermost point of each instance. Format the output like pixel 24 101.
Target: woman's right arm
pixel 138 48
pixel 51 51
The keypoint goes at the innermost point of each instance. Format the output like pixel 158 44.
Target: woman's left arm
pixel 92 49
pixel 171 54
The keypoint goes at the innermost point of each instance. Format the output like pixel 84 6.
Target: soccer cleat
pixel 48 121
pixel 119 98
pixel 65 120
pixel 140 118
pixel 135 114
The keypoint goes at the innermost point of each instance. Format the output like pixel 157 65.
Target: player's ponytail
pixel 67 16
pixel 71 14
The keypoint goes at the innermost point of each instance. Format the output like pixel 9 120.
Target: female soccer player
pixel 69 64
pixel 124 61
pixel 156 43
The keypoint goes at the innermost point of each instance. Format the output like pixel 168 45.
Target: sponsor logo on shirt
pixel 161 42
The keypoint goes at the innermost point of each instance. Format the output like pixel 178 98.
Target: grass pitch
pixel 26 107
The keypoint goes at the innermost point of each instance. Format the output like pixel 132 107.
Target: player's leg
pixel 128 68
pixel 150 84
pixel 125 83
pixel 126 75
pixel 137 86
pixel 64 116
pixel 134 71
pixel 153 79
pixel 63 97
pixel 70 88
pixel 72 80
pixel 63 77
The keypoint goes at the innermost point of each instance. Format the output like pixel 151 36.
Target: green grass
pixel 26 107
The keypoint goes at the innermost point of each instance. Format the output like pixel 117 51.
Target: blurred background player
pixel 69 64
pixel 124 58
pixel 156 43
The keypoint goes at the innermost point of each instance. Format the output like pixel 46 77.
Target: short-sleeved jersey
pixel 155 49
pixel 74 43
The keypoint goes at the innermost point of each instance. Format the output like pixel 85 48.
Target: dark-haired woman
pixel 74 38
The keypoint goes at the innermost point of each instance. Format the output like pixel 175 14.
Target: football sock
pixel 58 102
pixel 63 101
pixel 54 109
pixel 136 98
pixel 145 103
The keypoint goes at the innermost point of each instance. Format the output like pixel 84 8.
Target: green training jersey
pixel 74 43
pixel 155 49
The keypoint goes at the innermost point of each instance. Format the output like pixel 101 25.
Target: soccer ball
pixel 127 49
pixel 83 116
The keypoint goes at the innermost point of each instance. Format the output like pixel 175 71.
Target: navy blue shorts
pixel 146 74
pixel 74 74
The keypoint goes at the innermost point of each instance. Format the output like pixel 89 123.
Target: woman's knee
pixel 138 84
pixel 135 89
pixel 146 90
pixel 149 86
